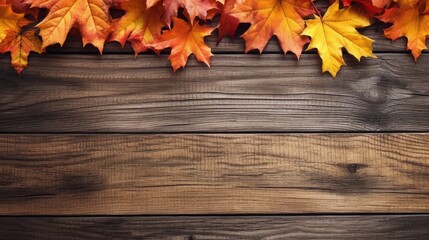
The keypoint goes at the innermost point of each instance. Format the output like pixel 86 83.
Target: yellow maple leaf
pixel 337 30
pixel 139 25
pixel 91 17
pixel 9 20
pixel 20 44
pixel 185 39
pixel 283 18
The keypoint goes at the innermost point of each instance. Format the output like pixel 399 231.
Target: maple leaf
pixel 337 30
pixel 371 7
pixel 91 17
pixel 9 20
pixel 367 5
pixel 139 25
pixel 283 18
pixel 411 22
pixel 194 8
pixel 185 39
pixel 381 3
pixel 20 44
pixel 407 3
pixel 228 23
pixel 21 6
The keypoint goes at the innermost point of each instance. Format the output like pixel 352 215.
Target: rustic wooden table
pixel 257 147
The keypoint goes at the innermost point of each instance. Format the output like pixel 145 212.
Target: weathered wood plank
pixel 213 174
pixel 186 228
pixel 241 93
pixel 236 45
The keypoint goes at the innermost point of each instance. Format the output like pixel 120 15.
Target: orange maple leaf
pixel 185 39
pixel 409 21
pixel 283 18
pixel 139 25
pixel 20 44
pixel 91 17
pixel 193 8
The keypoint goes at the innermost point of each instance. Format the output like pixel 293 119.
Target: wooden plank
pixel 214 174
pixel 240 93
pixel 186 228
pixel 228 45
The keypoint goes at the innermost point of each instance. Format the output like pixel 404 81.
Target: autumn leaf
pixel 283 18
pixel 91 17
pixel 139 25
pixel 228 23
pixel 407 3
pixel 193 8
pixel 337 30
pixel 20 44
pixel 21 6
pixel 185 39
pixel 381 3
pixel 368 5
pixel 9 20
pixel 411 22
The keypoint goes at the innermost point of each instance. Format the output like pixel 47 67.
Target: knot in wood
pixel 352 168
pixel 376 94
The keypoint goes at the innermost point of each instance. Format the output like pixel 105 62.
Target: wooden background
pixel 257 147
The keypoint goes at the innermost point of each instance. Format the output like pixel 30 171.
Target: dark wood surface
pixel 89 145
pixel 240 93
pixel 214 174
pixel 402 227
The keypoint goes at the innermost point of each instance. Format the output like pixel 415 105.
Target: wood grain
pixel 268 93
pixel 405 227
pixel 214 174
